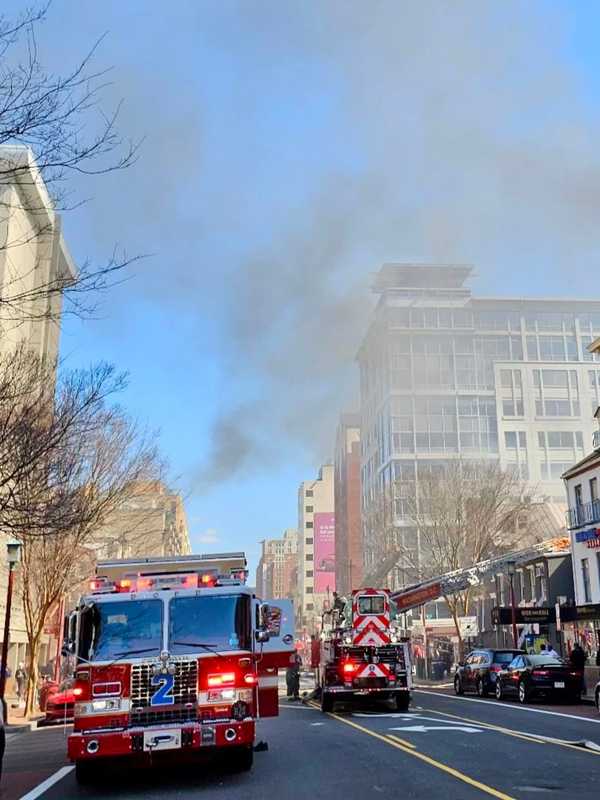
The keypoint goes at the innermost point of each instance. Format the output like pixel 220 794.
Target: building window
pixel 309 557
pixel 585 574
pixel 308 540
pixel 309 524
pixel 309 573
pixel 578 496
pixel 309 492
pixel 593 489
pixel 309 606
pixel 309 590
pixel 309 509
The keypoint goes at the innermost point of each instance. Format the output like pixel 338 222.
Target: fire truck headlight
pixel 393 638
pixel 347 640
pixel 106 705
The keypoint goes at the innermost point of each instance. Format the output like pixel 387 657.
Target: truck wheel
pixel 402 701
pixel 86 772
pixel 326 702
pixel 242 759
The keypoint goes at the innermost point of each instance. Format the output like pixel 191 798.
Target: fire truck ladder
pixel 460 579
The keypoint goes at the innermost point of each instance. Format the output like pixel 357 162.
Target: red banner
pixel 416 597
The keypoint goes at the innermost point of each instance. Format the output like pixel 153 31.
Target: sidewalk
pixel 16 717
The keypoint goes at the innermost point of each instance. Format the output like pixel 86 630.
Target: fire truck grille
pixel 184 693
pixel 387 655
pixel 177 715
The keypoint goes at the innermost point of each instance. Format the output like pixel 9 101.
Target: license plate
pixel 559 684
pixel 162 739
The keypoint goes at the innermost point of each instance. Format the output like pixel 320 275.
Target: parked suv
pixel 479 670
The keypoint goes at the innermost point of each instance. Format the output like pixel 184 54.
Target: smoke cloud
pixel 323 139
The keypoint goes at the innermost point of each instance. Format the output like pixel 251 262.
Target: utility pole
pixel 13 556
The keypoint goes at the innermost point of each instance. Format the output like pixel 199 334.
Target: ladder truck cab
pixel 173 654
pixel 363 652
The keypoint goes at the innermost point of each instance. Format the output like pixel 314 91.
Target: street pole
pixel 59 639
pixel 9 592
pixel 13 556
pixel 513 611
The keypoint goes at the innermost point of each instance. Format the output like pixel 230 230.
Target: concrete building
pixel 316 547
pixel 348 527
pixel 276 574
pixel 33 257
pixel 151 523
pixel 445 375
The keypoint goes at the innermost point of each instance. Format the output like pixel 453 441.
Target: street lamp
pixel 510 569
pixel 13 556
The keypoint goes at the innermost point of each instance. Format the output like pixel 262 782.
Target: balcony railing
pixel 585 514
pixel 596 440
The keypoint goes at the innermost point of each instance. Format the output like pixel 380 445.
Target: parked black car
pixel 480 668
pixel 530 675
pixel 597 696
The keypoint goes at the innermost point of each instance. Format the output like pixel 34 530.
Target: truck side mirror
pixel 262 635
pixel 67 649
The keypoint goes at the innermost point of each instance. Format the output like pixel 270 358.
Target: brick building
pixel 347 493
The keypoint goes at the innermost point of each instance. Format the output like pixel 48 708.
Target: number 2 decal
pixel 163 696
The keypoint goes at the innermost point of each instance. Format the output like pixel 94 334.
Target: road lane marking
pixel 498 704
pixel 446 727
pixel 39 790
pixel 405 742
pixel 531 737
pixel 394 742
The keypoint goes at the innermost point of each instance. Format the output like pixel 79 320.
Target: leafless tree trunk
pixel 93 473
pixel 466 513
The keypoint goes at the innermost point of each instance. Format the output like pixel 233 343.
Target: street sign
pixel 468 627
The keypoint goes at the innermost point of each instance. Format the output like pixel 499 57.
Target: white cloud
pixel 209 536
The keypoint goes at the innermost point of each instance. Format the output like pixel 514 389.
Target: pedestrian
pixel 21 679
pixel 550 651
pixel 577 657
pixel 292 677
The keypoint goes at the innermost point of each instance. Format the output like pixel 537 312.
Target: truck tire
pixel 242 759
pixel 402 701
pixel 326 702
pixel 86 772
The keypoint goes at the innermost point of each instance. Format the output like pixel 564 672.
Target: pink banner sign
pixel 324 535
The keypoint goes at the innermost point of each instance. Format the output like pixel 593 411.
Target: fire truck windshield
pixel 222 620
pixel 371 604
pixel 111 630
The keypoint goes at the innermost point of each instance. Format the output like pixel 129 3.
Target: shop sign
pixel 590 611
pixel 524 616
pixel 591 535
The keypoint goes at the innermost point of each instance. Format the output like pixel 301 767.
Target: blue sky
pixel 290 148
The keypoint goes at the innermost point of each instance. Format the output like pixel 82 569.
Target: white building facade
pixel 316 547
pixel 445 375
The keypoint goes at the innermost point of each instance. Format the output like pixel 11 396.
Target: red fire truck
pixel 173 654
pixel 362 652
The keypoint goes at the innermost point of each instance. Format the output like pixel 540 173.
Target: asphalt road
pixel 445 747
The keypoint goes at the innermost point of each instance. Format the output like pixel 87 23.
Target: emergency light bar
pixel 170 572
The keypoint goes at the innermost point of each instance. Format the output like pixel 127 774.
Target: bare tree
pixel 466 513
pixel 59 119
pixel 93 469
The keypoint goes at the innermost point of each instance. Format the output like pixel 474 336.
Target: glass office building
pixel 445 375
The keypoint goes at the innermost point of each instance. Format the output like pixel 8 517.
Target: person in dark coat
pixel 292 676
pixel 577 657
